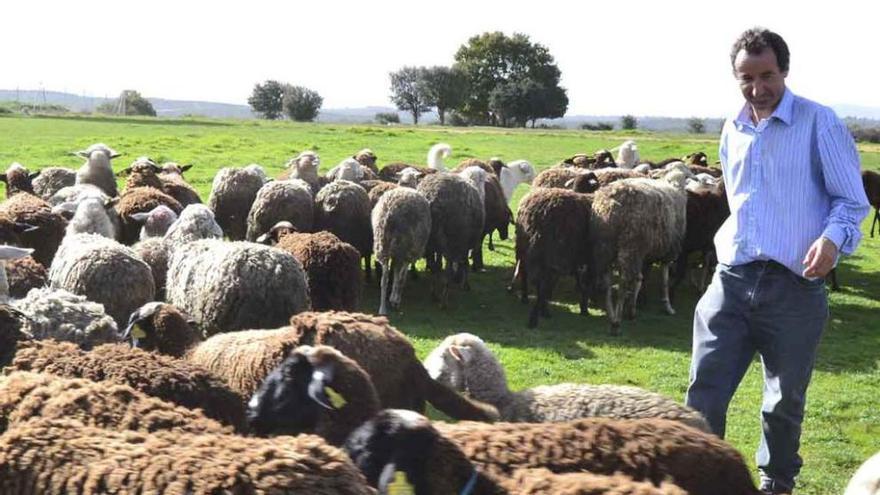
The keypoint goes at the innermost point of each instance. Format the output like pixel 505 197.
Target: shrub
pixel 598 126
pixel 386 118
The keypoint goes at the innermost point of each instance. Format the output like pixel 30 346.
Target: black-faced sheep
pixel 281 201
pixel 456 226
pixel 18 179
pixel 97 170
pixel 26 208
pixel 232 194
pixel 65 456
pixel 227 286
pixel 25 396
pixel 626 238
pixel 245 358
pixel 140 200
pixel 871 183
pixel 552 240
pixel 105 272
pixel 343 208
pixel 332 266
pixel 52 180
pixel 465 363
pixel 401 227
pixel 653 450
pixel 164 377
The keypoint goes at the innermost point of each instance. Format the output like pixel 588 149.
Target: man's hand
pixel 820 258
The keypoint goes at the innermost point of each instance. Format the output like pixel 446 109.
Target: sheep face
pixel 150 328
pixel 290 400
pixel 447 363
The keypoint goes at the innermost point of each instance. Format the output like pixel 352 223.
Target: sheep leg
pixel 413 272
pixel 547 286
pixel 540 290
pixel 523 282
pixel 610 306
pixel 398 271
pixel 367 268
pixel 876 220
pixel 680 273
pixel 491 244
pixel 643 280
pixel 628 289
pixel 584 287
pixel 477 256
pixel 383 291
pixel 664 272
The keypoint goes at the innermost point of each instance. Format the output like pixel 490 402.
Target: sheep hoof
pixel 670 310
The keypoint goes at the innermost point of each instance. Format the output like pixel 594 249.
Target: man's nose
pixel 757 88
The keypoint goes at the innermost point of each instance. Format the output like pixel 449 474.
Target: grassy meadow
pixel 843 418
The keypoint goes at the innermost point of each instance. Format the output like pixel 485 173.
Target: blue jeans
pixel 759 307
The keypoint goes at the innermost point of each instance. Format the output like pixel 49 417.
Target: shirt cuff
pixel 837 235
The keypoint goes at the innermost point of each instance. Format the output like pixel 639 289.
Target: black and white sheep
pixel 401 227
pixel 232 193
pixel 227 286
pixel 278 201
pixel 105 272
pixel 465 363
pixel 343 208
pixel 97 170
pixel 456 226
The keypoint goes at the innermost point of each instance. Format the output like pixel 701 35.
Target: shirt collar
pixel 783 111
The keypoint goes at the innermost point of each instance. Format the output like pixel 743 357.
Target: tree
pixel 516 103
pixel 696 125
pixel 267 99
pixel 409 92
pixel 130 102
pixel 628 122
pixel 301 104
pixel 446 87
pixel 493 59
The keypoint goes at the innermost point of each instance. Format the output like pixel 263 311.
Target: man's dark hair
pixel 755 40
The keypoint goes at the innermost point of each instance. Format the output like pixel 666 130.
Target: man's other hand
pixel 820 258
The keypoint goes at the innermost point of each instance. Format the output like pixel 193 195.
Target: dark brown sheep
pixel 143 172
pixel 26 208
pixel 552 240
pixel 164 377
pixel 554 177
pixel 343 208
pixel 391 172
pixel 232 194
pixel 375 192
pixel 707 209
pixel 18 179
pixel 24 274
pixel 140 200
pixel 871 182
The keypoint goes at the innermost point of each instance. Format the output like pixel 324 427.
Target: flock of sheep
pixel 142 352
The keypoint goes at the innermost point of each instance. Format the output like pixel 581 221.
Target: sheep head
pixel 162 328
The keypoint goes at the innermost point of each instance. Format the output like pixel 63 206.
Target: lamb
pixel 282 200
pixel 91 216
pixel 465 363
pixel 49 226
pixel 866 480
pixel 156 222
pixel 25 396
pixel 140 200
pixel 343 208
pixel 625 236
pixel 196 222
pixel 232 194
pixel 51 180
pixel 97 170
pixel 456 225
pixel 367 158
pixel 163 377
pixel 552 240
pixel 302 397
pixel 401 221
pixel 305 167
pixel 871 183
pixel 436 154
pixel 18 179
pixel 105 272
pixel 627 154
pixel 66 456
pixel 57 314
pixel 332 266
pixel 227 286
pixel 245 358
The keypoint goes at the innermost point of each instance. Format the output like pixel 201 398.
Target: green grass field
pixel 843 418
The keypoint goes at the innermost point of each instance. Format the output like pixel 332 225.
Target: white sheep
pixel 465 363
pixel 196 222
pixel 91 216
pixel 627 154
pixel 515 173
pixel 97 169
pixel 409 177
pixel 156 221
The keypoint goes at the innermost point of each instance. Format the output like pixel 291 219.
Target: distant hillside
pixel 861 115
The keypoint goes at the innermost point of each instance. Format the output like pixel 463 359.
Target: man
pixel 796 202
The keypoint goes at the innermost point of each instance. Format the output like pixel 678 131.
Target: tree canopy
pixel 409 92
pixel 267 99
pixel 301 104
pixel 130 102
pixel 446 89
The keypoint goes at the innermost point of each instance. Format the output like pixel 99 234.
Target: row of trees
pixel 495 80
pixel 272 100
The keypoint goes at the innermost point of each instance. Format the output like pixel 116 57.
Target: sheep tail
pixel 452 403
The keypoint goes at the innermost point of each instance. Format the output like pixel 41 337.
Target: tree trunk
pixel 441 113
pixel 415 113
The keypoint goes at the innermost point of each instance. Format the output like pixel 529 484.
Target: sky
pixel 658 58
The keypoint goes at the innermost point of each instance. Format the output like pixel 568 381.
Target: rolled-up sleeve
pixel 843 181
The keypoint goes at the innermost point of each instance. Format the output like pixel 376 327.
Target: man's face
pixel 760 80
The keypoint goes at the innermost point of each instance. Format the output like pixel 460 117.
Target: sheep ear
pixel 124 172
pixel 321 392
pixel 111 202
pixel 81 154
pixel 3 178
pixel 457 352
pixel 569 183
pixel 13 252
pixel 114 154
pixel 184 168
pixel 140 217
pixel 34 175
pixel 21 228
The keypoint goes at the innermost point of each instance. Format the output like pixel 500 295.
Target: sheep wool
pixel 282 200
pixel 65 317
pixel 24 274
pixel 196 222
pixel 51 180
pixel 29 209
pixel 332 268
pixel 232 194
pixel 228 286
pixel 105 272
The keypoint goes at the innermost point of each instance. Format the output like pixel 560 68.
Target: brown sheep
pixel 18 179
pixel 24 274
pixel 377 191
pixel 26 208
pixel 871 182
pixel 140 200
pixel 343 208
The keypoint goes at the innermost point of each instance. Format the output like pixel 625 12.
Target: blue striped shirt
pixel 791 178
